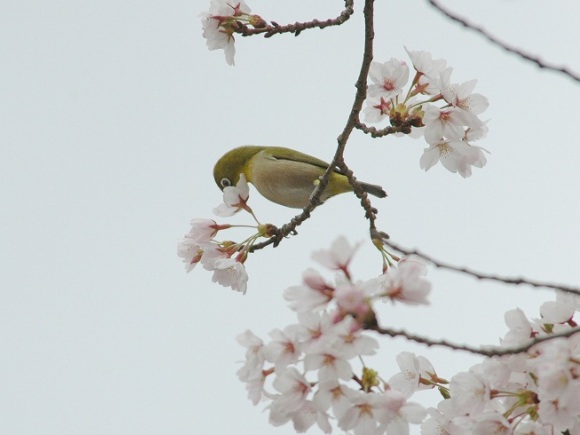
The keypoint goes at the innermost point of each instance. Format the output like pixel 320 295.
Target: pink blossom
pixel 470 394
pixel 329 359
pixel 461 96
pixel 388 78
pixel 398 413
pixel 332 394
pixel 561 310
pixel 413 368
pixel 293 388
pixel 363 414
pixel 405 283
pixel 423 62
pixel 234 198
pixel 190 252
pixel 455 156
pixel 314 294
pixel 377 109
pixel 252 371
pixel 203 230
pixel 563 411
pixel 338 256
pixel 520 328
pixel 217 25
pixel 230 273
pixel 285 347
pixel 351 299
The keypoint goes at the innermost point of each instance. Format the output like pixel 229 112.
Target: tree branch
pixel 298 27
pixel 481 275
pixel 503 45
pixel 487 351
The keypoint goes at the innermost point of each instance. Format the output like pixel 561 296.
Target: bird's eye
pixel 225 182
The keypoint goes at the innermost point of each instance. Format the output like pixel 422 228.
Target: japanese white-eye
pixel 282 175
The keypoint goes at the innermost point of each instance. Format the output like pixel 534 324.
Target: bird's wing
pixel 281 153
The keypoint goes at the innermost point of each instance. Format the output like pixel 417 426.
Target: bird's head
pixel 228 168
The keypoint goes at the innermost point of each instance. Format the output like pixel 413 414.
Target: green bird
pixel 282 175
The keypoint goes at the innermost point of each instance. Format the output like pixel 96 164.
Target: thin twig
pixel 405 128
pixel 481 275
pixel 496 41
pixel 296 28
pixel 488 351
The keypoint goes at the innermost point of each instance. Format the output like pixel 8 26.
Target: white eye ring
pixel 225 182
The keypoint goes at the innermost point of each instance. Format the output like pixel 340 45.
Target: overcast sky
pixel 112 115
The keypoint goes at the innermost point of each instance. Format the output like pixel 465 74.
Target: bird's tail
pixel 373 189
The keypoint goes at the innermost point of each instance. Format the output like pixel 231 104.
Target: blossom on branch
pixel 445 113
pixel 230 273
pixel 455 155
pixel 388 78
pixel 405 283
pixel 339 255
pixel 222 20
pixel 310 372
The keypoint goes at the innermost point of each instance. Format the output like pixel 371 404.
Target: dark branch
pixel 298 27
pixel 405 128
pixel 496 41
pixel 480 275
pixel 488 351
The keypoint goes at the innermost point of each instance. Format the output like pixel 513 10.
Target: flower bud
pixel 257 21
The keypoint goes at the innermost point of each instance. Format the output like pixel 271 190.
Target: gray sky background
pixel 112 114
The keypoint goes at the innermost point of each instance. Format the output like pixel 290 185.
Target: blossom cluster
pixel 315 372
pixel 222 20
pixel 306 372
pixel 446 114
pixel 224 258
pixel 533 393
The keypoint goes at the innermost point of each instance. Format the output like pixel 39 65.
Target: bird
pixel 283 175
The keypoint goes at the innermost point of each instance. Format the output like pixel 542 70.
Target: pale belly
pixel 286 182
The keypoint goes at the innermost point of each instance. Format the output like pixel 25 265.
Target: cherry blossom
pixel 351 299
pixel 363 414
pixel 448 123
pixel 293 388
pixel 561 310
pixel 328 360
pixel 446 114
pixel 470 393
pixel 235 198
pixel 338 256
pixel 218 27
pixel 424 64
pixel 285 346
pixel 388 78
pixel 333 394
pixel 399 413
pixel 520 328
pixel 191 253
pixel 229 272
pixel 456 156
pixel 562 412
pixel 314 294
pixel 203 230
pixel 254 345
pixel 460 95
pixel 252 371
pixel 405 283
pixel 377 109
pixel 413 370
